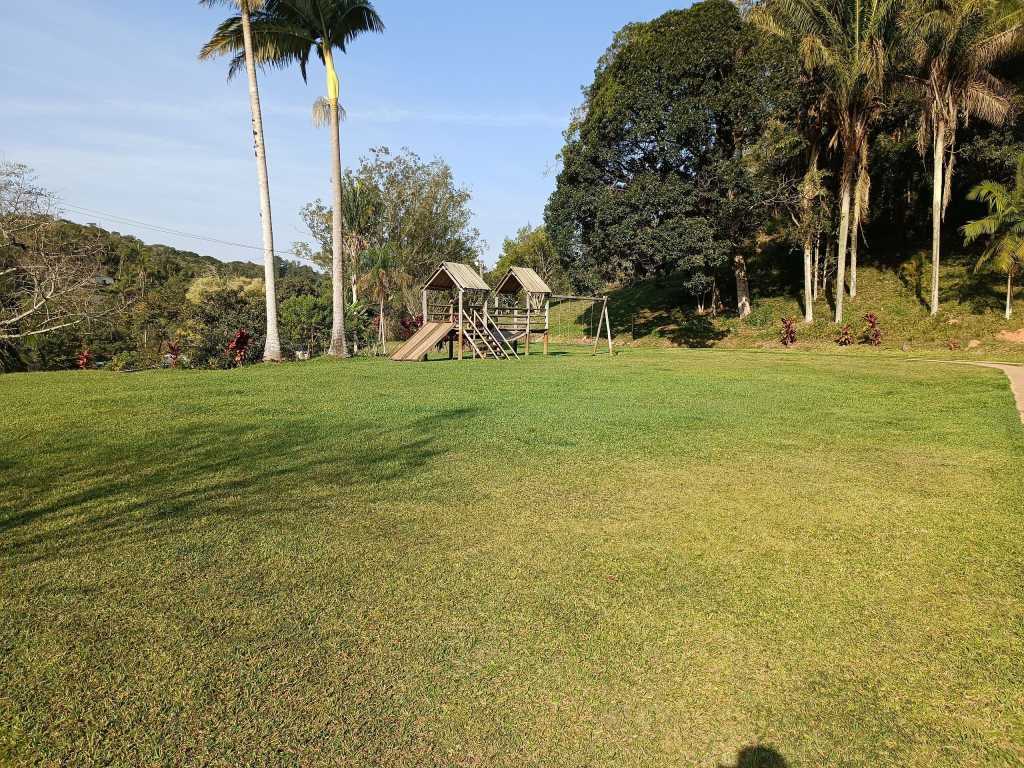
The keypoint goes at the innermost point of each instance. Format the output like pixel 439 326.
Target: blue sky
pixel 106 100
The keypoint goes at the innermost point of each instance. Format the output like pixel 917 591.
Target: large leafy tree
pixel 956 46
pixel 360 223
pixel 421 212
pixel 532 247
pixel 242 26
pixel 287 32
pixel 1003 226
pixel 654 178
pixel 851 46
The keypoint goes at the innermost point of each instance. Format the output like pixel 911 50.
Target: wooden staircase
pixel 486 342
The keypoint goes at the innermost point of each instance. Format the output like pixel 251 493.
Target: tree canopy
pixel 654 176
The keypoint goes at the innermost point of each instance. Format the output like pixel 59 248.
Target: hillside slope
pixel 658 313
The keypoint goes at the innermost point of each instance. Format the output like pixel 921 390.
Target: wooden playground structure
pixel 460 309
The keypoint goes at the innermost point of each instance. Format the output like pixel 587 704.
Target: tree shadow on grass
pixel 758 756
pixel 981 291
pixel 151 492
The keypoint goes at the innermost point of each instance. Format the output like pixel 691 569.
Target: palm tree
pixel 360 209
pixel 850 46
pixel 286 32
pixel 382 278
pixel 956 44
pixel 272 346
pixel 1004 226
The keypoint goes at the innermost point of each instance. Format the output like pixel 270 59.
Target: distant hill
pixel 127 253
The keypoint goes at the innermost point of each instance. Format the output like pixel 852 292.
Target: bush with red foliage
pixel 173 352
pixel 845 337
pixel 872 334
pixel 410 324
pixel 84 359
pixel 238 348
pixel 788 335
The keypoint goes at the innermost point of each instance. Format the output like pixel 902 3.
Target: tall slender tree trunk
pixel 808 280
pixel 854 239
pixel 844 231
pixel 272 345
pixel 809 237
pixel 339 344
pixel 816 268
pixel 383 337
pixel 1009 294
pixel 938 160
pixel 739 265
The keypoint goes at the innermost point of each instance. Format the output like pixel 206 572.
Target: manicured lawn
pixel 655 560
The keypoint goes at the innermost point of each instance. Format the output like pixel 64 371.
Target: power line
pixel 170 231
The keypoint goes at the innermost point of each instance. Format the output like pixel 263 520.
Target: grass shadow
pixel 148 494
pixel 758 756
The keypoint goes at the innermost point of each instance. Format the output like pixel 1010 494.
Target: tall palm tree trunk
pixel 339 344
pixel 810 237
pixel 844 232
pixel 808 288
pixel 855 239
pixel 1009 294
pixel 272 345
pixel 938 160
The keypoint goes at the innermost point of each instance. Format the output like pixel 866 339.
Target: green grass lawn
pixel 658 559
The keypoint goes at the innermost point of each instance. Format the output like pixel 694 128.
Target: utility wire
pixel 169 231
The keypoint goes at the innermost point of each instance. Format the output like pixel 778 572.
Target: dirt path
pixel 1015 373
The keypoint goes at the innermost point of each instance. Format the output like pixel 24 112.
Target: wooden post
pixel 528 329
pixel 547 323
pixel 460 324
pixel 608 325
pixel 424 306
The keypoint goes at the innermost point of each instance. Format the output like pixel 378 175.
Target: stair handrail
pixel 469 338
pixel 492 339
pixel 485 336
pixel 499 339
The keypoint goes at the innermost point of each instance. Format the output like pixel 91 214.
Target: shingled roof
pixel 452 274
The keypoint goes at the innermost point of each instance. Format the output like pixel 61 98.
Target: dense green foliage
pixel 653 179
pixel 348 572
pixel 532 247
pixel 153 280
pixel 401 206
pixel 694 139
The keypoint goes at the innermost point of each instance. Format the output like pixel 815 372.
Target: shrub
pixel 409 325
pixel 173 353
pixel 788 335
pixel 306 324
pixel 211 319
pixel 872 334
pixel 845 337
pixel 238 348
pixel 84 359
pixel 126 361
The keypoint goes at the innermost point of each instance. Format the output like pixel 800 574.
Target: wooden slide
pixel 424 340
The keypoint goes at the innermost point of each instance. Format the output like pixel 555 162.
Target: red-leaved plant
pixel 238 348
pixel 845 337
pixel 788 335
pixel 872 334
pixel 174 352
pixel 410 324
pixel 84 359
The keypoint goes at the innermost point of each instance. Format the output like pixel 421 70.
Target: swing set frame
pixel 603 321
